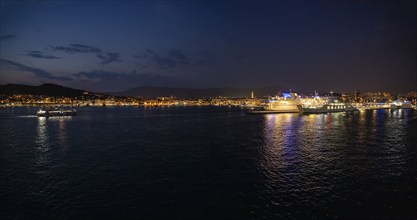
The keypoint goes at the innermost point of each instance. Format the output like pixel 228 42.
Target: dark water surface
pixel 207 163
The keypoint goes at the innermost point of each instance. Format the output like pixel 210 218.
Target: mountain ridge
pixel 156 91
pixel 47 89
pixel 148 91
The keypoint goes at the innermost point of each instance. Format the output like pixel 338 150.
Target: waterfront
pixel 207 162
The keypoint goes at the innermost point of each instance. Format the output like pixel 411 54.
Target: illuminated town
pixel 94 99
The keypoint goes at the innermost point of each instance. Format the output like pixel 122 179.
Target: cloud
pixel 161 61
pixel 133 77
pixel 104 57
pixel 108 58
pixel 6 37
pixel 104 75
pixel 37 72
pixel 39 54
pixel 171 59
pixel 179 56
pixel 77 48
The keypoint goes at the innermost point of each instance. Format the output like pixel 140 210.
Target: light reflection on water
pixel 62 132
pixel 42 142
pixel 328 154
pixel 280 133
pixel 289 165
pixel 287 137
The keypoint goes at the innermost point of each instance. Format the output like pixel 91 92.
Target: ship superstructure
pixel 287 103
pixel 326 105
pixel 56 111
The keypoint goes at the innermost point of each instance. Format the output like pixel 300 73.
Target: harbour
pixel 211 110
pixel 292 103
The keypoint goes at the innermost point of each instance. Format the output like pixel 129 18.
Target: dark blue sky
pixel 307 46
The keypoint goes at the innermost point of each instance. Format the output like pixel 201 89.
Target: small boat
pixel 56 112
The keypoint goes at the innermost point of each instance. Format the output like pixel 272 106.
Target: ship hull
pixel 56 113
pixel 403 106
pixel 273 111
pixel 325 109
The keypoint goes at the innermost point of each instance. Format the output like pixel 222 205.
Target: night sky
pixel 111 46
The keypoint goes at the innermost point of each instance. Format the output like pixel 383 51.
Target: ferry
pixel 401 104
pixel 287 103
pixel 374 106
pixel 56 112
pixel 327 107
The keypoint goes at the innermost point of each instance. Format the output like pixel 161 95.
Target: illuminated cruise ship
pixel 287 103
pixel 329 106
